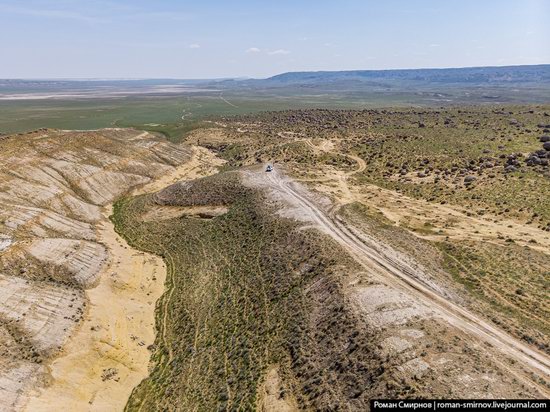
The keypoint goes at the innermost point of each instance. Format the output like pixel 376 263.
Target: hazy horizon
pixel 245 77
pixel 62 39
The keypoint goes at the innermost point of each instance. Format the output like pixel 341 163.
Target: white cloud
pixel 253 50
pixel 194 46
pixel 279 51
pixel 434 45
pixel 158 16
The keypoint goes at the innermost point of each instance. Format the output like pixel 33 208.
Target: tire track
pixel 392 271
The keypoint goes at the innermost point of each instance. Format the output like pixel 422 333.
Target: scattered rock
pixel 108 374
pixel 533 160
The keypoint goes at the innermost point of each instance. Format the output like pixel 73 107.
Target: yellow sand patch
pixel 108 356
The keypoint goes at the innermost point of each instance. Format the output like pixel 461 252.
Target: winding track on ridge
pixel 394 272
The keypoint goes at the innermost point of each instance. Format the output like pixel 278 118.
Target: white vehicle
pixel 269 168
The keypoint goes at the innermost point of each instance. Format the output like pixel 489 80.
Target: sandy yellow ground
pixel 108 356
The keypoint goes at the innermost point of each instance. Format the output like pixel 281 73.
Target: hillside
pixel 502 75
pixel 390 253
pixel 384 256
pixel 60 264
pixel 265 311
pixel 407 87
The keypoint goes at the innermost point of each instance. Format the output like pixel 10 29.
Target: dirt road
pixel 392 271
pixel 223 99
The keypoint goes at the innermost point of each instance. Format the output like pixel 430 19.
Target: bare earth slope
pixel 56 252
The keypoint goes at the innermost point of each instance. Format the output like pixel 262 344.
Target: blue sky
pixel 206 39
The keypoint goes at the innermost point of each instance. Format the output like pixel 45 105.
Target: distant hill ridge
pixel 495 74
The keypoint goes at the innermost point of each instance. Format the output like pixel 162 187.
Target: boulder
pixel 546 146
pixel 544 139
pixel 532 161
